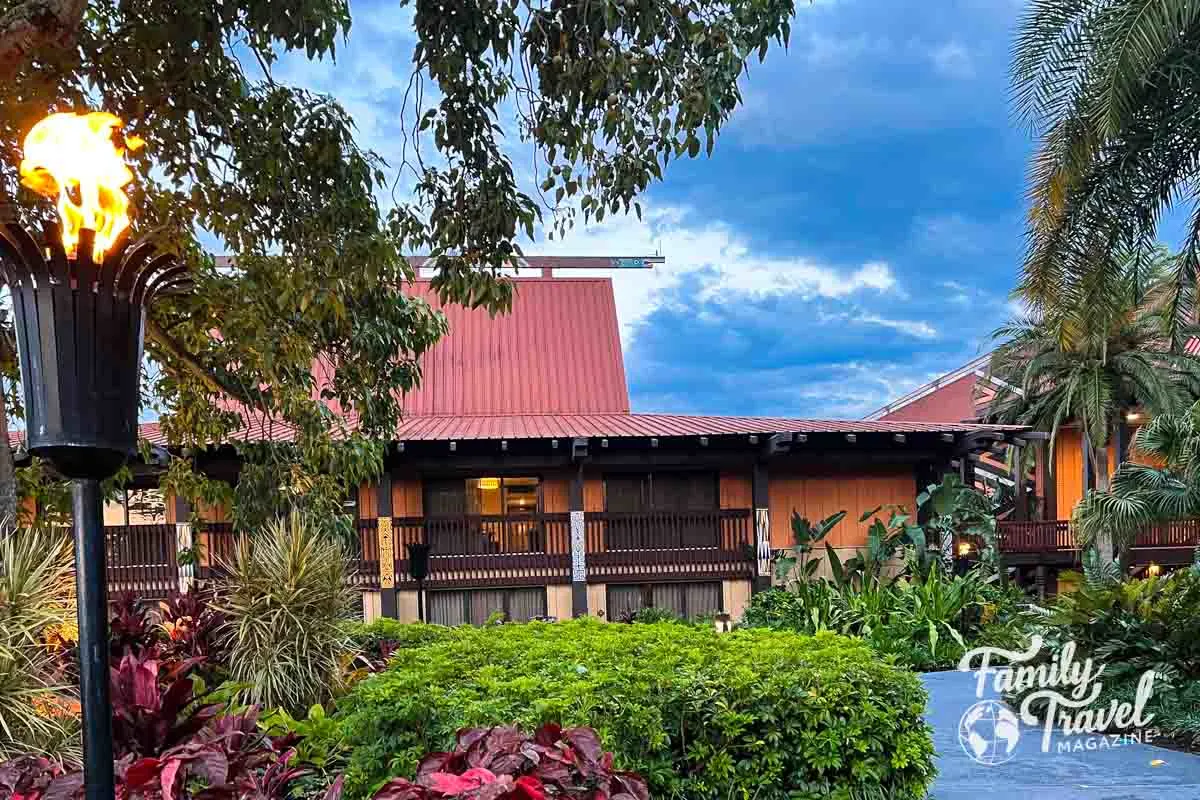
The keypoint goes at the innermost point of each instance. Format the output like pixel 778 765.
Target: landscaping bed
pixel 764 714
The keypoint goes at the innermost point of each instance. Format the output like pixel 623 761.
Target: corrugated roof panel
pixel 557 352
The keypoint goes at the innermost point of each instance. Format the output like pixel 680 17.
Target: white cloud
pixel 916 328
pixel 720 261
pixel 953 60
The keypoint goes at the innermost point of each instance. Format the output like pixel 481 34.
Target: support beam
pixel 1047 483
pixel 760 498
pixel 185 539
pixel 387 548
pixel 1020 504
pixel 579 603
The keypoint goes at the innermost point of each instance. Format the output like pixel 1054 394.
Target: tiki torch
pixel 79 294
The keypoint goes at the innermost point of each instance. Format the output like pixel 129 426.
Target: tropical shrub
pixel 754 713
pixel 130 626
pixel 154 705
pixel 285 605
pixel 377 640
pixel 35 600
pixel 228 758
pixel 805 537
pixel 926 624
pixel 501 763
pixel 1133 627
pixel 189 626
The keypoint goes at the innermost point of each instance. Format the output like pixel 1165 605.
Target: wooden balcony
pixel 1053 542
pixel 692 544
pixel 480 550
pixel 142 559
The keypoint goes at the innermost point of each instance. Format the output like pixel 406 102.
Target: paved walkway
pixel 1122 773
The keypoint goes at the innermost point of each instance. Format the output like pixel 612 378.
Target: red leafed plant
pixel 230 759
pixel 154 705
pixel 129 625
pixel 191 626
pixel 505 764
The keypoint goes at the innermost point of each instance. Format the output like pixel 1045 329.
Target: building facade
pixel 539 492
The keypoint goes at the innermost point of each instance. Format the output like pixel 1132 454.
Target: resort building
pixel 1036 536
pixel 541 493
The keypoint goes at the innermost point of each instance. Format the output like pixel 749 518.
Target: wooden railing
pixel 684 544
pixel 142 558
pixel 1048 536
pixel 481 550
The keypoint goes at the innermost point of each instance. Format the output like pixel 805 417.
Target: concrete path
pixel 1121 773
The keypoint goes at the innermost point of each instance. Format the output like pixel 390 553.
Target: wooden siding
pixel 593 494
pixel 556 495
pixel 816 496
pixel 406 497
pixel 1068 471
pixel 735 490
pixel 368 501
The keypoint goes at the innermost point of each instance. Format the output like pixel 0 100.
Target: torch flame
pixel 74 158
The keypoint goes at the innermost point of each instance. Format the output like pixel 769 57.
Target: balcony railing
pixel 481 550
pixel 717 543
pixel 1050 536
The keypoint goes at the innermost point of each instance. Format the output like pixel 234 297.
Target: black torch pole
pixel 92 595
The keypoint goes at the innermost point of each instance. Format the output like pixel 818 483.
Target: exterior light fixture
pixel 418 570
pixel 489 484
pixel 964 549
pixel 80 293
pixel 1133 416
pixel 1153 570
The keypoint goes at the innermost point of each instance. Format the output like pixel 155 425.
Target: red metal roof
pixel 549 426
pixel 614 426
pixel 557 352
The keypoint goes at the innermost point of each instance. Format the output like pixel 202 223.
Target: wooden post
pixel 184 540
pixel 579 601
pixel 387 549
pixel 1041 581
pixel 1020 506
pixel 1049 487
pixel 759 492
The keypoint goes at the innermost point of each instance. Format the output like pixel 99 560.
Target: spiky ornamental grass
pixel 285 601
pixel 35 598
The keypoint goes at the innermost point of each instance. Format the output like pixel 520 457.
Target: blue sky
pixel 856 232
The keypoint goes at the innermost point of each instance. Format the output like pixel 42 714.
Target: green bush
pixel 285 604
pixel 372 636
pixel 921 624
pixel 1131 627
pixel 759 714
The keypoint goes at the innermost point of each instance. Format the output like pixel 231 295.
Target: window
pixel 661 491
pixel 686 501
pixel 474 606
pixel 688 600
pixel 481 516
pixel 482 496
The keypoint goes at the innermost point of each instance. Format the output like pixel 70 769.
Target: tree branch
pixel 34 27
pixel 215 383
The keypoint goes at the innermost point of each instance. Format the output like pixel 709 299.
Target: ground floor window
pixel 688 600
pixel 475 606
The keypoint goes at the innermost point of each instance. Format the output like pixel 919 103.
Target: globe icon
pixel 988 732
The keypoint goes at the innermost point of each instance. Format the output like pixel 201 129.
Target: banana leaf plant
pixel 805 538
pixel 884 542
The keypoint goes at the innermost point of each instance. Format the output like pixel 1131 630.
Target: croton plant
pixel 503 764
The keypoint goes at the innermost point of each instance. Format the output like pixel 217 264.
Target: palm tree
pixel 1165 486
pixel 1109 86
pixel 1097 350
